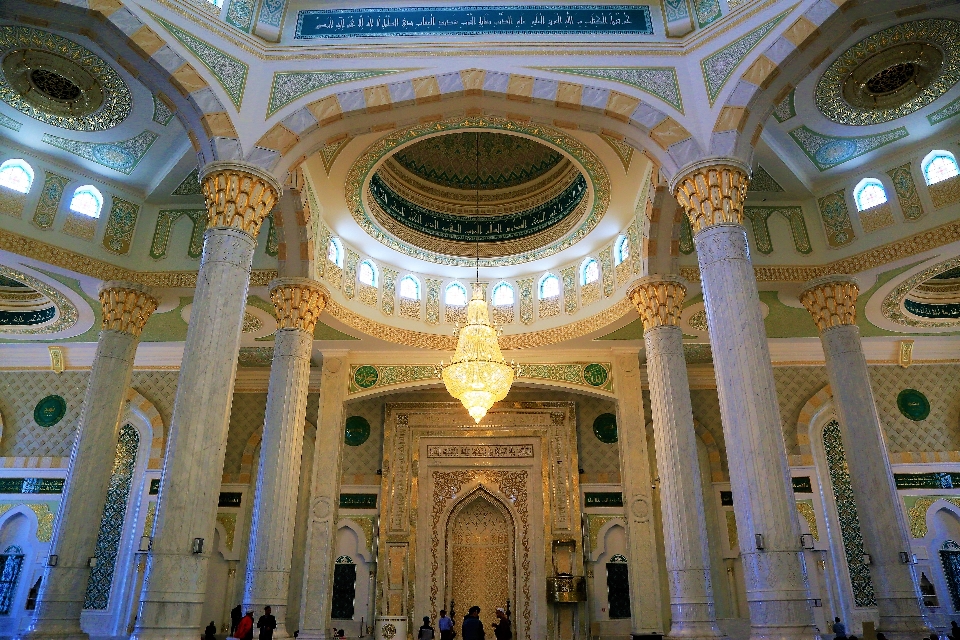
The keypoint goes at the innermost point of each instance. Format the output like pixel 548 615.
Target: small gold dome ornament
pixel 478 375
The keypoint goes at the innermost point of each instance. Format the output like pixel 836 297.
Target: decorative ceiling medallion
pixel 31 306
pixel 594 201
pixel 892 73
pixel 928 299
pixel 59 82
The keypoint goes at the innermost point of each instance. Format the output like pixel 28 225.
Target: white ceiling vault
pixel 627 99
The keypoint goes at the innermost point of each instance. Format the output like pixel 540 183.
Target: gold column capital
pixel 126 306
pixel 238 195
pixel 299 302
pixel 658 299
pixel 712 193
pixel 831 300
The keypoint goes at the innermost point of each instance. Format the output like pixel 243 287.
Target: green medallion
pixel 356 431
pixel 913 404
pixel 49 411
pixel 366 376
pixel 605 427
pixel 595 375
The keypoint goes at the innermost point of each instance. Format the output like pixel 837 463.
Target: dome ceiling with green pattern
pixel 505 161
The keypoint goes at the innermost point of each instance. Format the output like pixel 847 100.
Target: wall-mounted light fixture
pixel 906 558
pixel 806 541
pixel 92 562
pixel 52 560
pixel 146 542
pixel 198 545
pixel 758 538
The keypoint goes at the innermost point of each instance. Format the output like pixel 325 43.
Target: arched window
pixel 367 273
pixel 410 288
pixel 335 252
pixel 621 250
pixel 503 295
pixel 455 295
pixel 549 286
pixel 11 562
pixel 16 174
pixel 344 588
pixel 939 166
pixel 589 271
pixel 869 193
pixel 87 201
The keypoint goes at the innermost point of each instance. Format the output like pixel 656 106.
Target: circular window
pixel 605 428
pixel 49 411
pixel 913 404
pixel 356 431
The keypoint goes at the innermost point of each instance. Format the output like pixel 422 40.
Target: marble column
pixel 659 299
pixel 324 500
pixel 643 568
pixel 126 308
pixel 711 195
pixel 832 301
pixel 238 198
pixel 298 302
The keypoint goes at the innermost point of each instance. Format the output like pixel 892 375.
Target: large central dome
pixel 448 192
pixel 505 161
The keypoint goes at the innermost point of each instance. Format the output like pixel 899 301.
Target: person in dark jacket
pixel 472 628
pixel 235 614
pixel 502 629
pixel 267 623
pixel 210 632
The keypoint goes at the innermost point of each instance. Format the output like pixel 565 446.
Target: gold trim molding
pixel 863 261
pixel 442 342
pixel 85 265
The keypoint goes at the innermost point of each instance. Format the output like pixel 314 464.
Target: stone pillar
pixel 126 307
pixel 659 299
pixel 298 303
pixel 832 301
pixel 711 195
pixel 324 500
pixel 643 568
pixel 238 198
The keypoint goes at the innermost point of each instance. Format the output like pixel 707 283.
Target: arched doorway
pixel 480 555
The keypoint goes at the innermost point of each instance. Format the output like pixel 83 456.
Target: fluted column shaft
pixel 777 592
pixel 126 307
pixel 298 303
pixel 642 567
pixel 659 299
pixel 238 199
pixel 324 501
pixel 832 303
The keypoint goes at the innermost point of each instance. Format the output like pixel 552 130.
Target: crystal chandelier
pixel 478 375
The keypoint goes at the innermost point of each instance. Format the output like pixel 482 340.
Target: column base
pixel 695 631
pixel 45 635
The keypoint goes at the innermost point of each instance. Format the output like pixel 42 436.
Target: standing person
pixel 839 631
pixel 210 633
pixel 446 626
pixel 235 614
pixel 472 628
pixel 502 629
pixel 267 623
pixel 245 627
pixel 426 631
